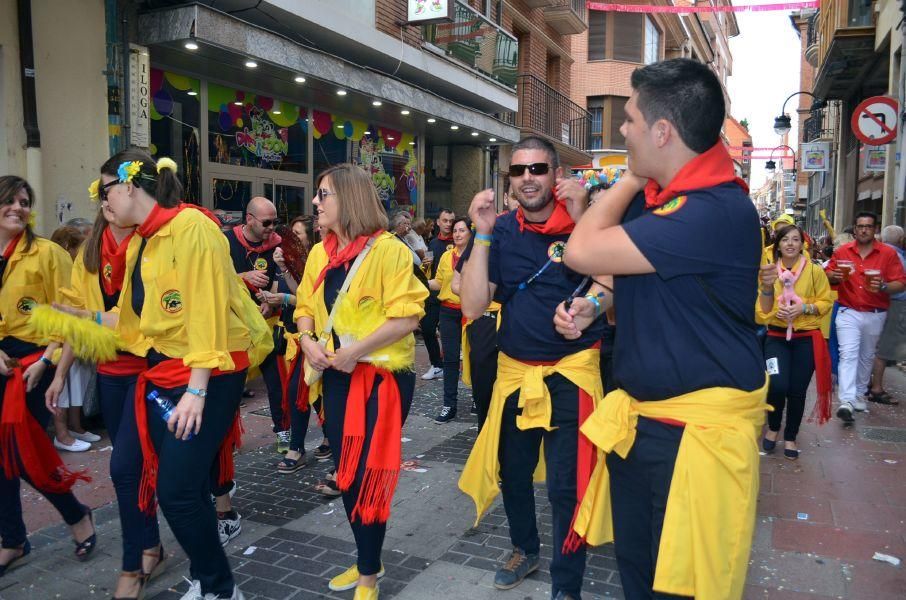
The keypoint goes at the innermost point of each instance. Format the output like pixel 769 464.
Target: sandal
pixel 26 550
pixel 328 488
pixel 768 445
pixel 158 567
pixel 141 585
pixel 290 465
pixel 883 398
pixel 86 547
pixel 323 452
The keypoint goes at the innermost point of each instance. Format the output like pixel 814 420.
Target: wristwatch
pixel 201 393
pixel 883 287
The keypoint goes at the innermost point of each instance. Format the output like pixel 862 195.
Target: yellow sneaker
pixel 365 593
pixel 349 579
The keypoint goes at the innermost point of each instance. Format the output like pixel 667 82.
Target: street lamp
pixel 771 165
pixel 782 124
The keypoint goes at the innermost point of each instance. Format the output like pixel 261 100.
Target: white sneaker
pixel 194 592
pixel 75 446
pixel 860 404
pixel 433 373
pixel 85 437
pixel 229 528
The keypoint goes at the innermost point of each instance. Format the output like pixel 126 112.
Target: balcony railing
pixel 479 43
pixel 544 110
pixel 836 15
pixel 821 125
pixel 811 40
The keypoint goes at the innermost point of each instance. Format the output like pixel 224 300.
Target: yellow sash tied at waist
pixel 481 475
pixel 710 514
pixel 467 347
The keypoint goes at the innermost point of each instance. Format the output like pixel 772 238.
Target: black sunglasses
pixel 265 222
pixel 102 190
pixel 534 169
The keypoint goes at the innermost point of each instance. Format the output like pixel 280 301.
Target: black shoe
pixel 447 414
pixel 247 393
pixel 474 409
pixel 768 445
pixel 845 413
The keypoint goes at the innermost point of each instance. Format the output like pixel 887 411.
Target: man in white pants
pixel 864 272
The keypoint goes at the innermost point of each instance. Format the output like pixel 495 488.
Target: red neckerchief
pixel 11 247
pixel 557 224
pixel 114 255
pixel 445 238
pixel 159 216
pixel 455 256
pixel 708 169
pixel 264 246
pixel 336 258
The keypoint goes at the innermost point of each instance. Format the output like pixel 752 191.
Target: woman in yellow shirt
pixel 367 358
pixel 32 272
pixel 182 295
pixel 450 315
pixel 794 296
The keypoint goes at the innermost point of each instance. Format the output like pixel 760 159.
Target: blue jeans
pixel 140 531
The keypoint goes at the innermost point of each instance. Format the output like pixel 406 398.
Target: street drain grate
pixel 883 434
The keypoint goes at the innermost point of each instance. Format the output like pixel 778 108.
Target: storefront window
pixel 175 123
pixel 250 130
pixel 389 156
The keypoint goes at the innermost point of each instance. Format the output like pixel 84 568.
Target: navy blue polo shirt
pixel 672 337
pixel 252 260
pixel 527 324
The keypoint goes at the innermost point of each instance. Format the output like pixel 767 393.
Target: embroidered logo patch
pixel 449 246
pixel 25 305
pixel 171 301
pixel 260 264
pixel 670 207
pixel 555 251
pixel 108 271
pixel 365 301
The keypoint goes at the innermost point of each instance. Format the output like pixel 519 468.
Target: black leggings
pixel 369 539
pixel 796 364
pixel 482 336
pixel 451 338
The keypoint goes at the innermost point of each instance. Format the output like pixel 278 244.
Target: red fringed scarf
pixel 114 255
pixel 173 373
pixel 336 257
pixel 585 466
pixel 557 224
pixel 23 438
pixel 822 411
pixel 712 167
pixel 159 216
pixel 286 373
pixel 382 466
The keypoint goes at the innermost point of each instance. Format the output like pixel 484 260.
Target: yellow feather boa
pixel 89 341
pixel 353 323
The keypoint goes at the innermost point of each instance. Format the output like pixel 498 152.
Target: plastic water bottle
pixel 166 407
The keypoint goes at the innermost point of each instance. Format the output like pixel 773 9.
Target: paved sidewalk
pixel 820 521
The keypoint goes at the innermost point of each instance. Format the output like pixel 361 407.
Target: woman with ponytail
pixel 32 272
pixel 367 356
pixel 94 292
pixel 183 302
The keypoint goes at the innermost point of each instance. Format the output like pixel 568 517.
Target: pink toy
pixel 788 297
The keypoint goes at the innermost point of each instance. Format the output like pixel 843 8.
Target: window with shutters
pixel 607 117
pixel 627 37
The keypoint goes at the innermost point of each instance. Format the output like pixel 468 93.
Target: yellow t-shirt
pixel 813 288
pixel 444 277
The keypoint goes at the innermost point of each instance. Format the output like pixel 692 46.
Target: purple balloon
pixel 226 121
pixel 163 102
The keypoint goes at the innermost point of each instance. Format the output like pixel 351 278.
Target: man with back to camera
pixel 546 383
pixel 865 272
pixel 680 432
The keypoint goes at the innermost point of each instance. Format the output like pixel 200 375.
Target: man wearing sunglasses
pixel 546 382
pixel 252 246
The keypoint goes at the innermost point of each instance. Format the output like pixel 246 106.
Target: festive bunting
pixel 649 9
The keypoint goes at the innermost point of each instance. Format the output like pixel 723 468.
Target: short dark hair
pixel 464 219
pixel 534 142
pixel 866 214
pixel 446 210
pixel 686 93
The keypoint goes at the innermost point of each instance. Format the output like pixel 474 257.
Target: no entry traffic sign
pixel 875 120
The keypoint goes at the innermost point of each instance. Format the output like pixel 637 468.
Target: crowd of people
pixel 610 351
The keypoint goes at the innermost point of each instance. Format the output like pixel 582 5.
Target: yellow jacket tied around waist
pixel 710 515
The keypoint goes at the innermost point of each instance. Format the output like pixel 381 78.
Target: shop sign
pixel 265 141
pixel 423 12
pixel 815 156
pixel 139 96
pixel 876 159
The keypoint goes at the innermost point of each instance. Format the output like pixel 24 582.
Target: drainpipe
pixel 29 103
pixel 127 117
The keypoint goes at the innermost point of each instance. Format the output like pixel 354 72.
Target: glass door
pixel 229 195
pixel 292 199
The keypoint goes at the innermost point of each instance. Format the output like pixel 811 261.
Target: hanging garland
pixel 646 8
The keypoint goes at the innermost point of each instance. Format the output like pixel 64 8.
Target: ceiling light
pixel 454 127
pixel 275 112
pixel 237 103
pixel 340 127
pixel 367 133
pixel 492 140
pixel 341 92
pixel 192 93
pixel 474 134
pixel 404 112
pixel 190 46
pixel 411 143
pixel 376 103
pixel 251 64
pixel 432 120
pixel 390 138
pixel 299 79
